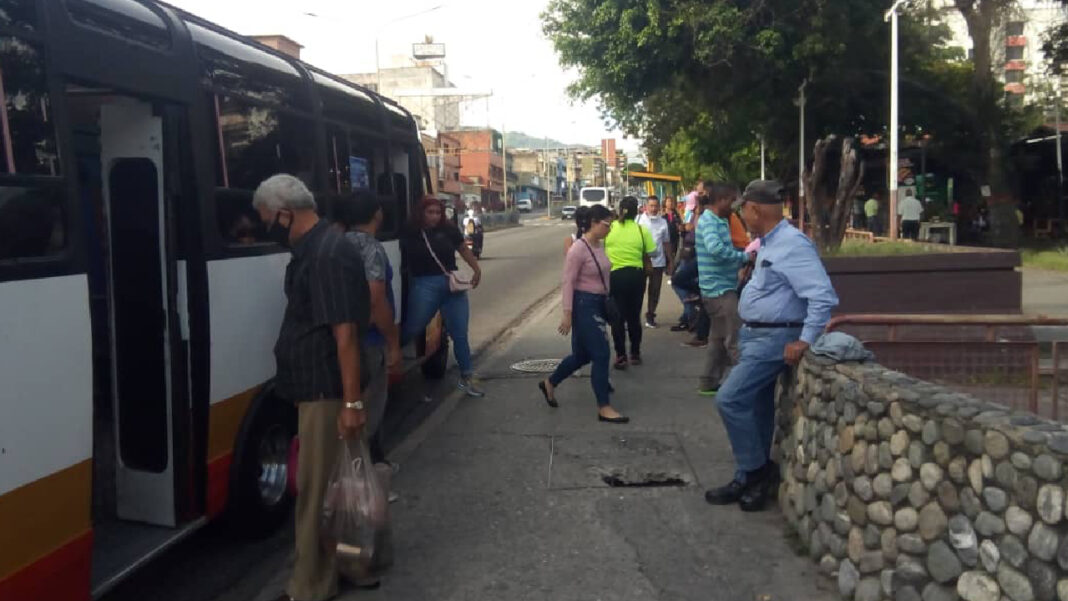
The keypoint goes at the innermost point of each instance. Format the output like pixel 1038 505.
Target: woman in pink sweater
pixel 585 291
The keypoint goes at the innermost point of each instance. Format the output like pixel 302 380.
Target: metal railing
pixel 1014 360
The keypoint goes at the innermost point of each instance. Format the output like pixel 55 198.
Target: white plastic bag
pixel 355 506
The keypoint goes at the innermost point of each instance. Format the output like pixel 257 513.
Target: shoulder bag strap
pixel 596 262
pixel 433 254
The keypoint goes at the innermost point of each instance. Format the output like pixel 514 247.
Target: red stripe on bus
pixel 218 485
pixel 62 575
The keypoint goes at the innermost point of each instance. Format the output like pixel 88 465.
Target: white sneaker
pixel 470 386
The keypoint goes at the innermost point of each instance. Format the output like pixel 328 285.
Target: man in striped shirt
pixel 718 262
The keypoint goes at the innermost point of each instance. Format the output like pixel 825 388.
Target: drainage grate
pixel 536 366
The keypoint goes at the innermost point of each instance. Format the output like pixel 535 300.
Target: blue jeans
pixel 684 283
pixel 430 294
pixel 746 400
pixel 589 343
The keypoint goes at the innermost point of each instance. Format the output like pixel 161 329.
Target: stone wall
pixel 904 490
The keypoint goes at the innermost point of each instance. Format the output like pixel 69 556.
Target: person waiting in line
pixel 784 308
pixel 718 262
pixel 871 215
pixel 674 220
pixel 662 259
pixel 359 215
pixel 579 217
pixel 910 210
pixel 629 246
pixel 327 311
pixel 431 243
pixel 585 288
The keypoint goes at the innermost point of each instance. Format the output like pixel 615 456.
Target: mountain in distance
pixel 518 139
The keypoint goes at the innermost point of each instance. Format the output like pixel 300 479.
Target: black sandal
pixel 545 392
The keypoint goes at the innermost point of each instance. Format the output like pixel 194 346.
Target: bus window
pixel 234 66
pixel 125 19
pixel 337 160
pixel 255 143
pixel 32 222
pixel 18 13
pixel 29 139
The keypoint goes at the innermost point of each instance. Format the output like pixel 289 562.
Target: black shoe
pixel 545 392
pixel 763 484
pixel 621 363
pixel 622 419
pixel 680 327
pixel 725 495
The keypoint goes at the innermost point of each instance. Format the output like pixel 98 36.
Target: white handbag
pixel 457 282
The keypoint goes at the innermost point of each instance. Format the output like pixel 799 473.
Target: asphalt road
pixel 520 266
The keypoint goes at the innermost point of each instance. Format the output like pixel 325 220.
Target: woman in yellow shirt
pixel 628 246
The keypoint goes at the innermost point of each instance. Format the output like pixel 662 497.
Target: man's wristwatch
pixel 357 405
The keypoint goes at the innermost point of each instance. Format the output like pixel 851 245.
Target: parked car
pixel 524 205
pixel 568 212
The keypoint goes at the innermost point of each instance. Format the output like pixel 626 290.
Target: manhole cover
pixel 631 460
pixel 536 366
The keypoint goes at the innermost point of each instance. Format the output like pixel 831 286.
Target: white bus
pixel 139 300
pixel 596 196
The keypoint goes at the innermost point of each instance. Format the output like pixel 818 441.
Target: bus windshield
pixel 593 195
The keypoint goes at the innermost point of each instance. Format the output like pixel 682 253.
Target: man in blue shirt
pixel 784 308
pixel 717 267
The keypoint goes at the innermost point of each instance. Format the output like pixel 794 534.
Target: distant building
pixel 434 110
pixel 443 155
pixel 481 165
pixel 1016 45
pixel 280 43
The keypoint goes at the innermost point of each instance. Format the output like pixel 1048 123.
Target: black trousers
pixel 628 288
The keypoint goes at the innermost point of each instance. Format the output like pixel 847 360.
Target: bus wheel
pixel 259 500
pixel 435 365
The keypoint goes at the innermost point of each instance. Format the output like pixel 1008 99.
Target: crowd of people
pixel 755 296
pixel 339 340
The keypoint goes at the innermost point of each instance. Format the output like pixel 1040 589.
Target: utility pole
pixel 548 191
pixel 1060 163
pixel 801 156
pixel 891 15
pixel 504 165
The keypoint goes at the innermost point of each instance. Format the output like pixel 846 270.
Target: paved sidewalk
pixel 1045 292
pixel 504 499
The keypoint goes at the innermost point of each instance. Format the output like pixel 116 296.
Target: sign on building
pixel 428 51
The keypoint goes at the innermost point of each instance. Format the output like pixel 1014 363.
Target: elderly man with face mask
pixel 784 308
pixel 318 361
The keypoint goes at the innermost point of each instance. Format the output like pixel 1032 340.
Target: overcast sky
pixel 490 44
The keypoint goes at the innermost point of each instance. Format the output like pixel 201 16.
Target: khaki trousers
pixel 722 354
pixel 315 574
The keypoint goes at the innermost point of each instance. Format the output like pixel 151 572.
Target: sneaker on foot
pixel 394 496
pixel 680 327
pixel 470 386
pixel 696 343
pixel 709 392
pixel 650 325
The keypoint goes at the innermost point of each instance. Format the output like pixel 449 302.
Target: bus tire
pixel 259 501
pixel 435 365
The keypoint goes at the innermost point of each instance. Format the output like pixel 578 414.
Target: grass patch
pixel 861 248
pixel 1055 259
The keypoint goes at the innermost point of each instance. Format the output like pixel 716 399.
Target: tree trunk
pixel 980 17
pixel 830 195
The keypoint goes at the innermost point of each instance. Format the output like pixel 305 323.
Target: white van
pixel 596 196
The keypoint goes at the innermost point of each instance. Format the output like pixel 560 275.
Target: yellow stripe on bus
pixel 224 420
pixel 41 516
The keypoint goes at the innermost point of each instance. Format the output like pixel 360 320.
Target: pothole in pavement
pixel 631 460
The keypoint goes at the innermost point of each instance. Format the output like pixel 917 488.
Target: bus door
pixel 140 298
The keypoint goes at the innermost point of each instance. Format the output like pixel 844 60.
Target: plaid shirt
pixel 325 285
pixel 717 259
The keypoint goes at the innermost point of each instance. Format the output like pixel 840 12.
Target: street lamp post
pixel 762 157
pixel 801 155
pixel 891 16
pixel 1060 164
